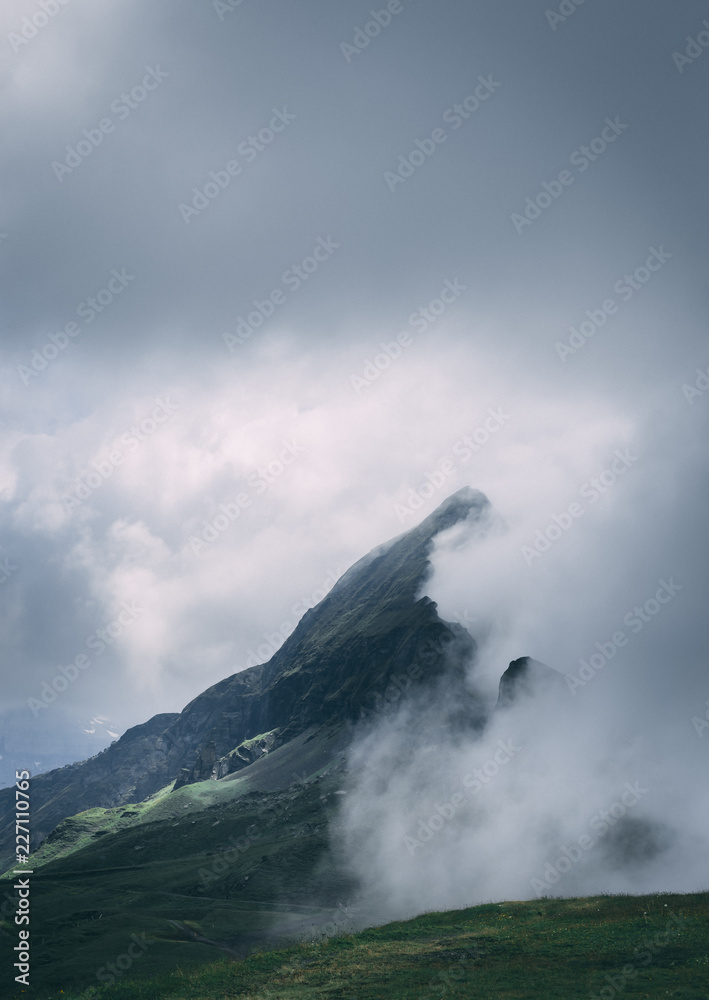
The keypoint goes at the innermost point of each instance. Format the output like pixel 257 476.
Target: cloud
pixel 569 791
pixel 373 458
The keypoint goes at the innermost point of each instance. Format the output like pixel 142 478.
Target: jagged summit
pixel 409 551
pixel 372 626
pixel 457 507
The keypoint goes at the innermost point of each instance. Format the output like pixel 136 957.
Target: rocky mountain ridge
pixel 371 627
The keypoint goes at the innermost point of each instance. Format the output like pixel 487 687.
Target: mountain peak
pixel 455 508
pixel 373 626
pixel 412 547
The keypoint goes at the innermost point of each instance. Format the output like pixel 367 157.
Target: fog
pixel 361 369
pixel 593 784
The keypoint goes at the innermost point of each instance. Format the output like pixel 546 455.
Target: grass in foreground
pixel 634 946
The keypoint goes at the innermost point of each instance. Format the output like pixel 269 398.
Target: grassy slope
pixel 202 872
pixel 313 753
pixel 549 949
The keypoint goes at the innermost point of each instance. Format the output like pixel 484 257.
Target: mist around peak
pixel 555 785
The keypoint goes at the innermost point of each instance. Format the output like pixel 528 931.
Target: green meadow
pixel 551 949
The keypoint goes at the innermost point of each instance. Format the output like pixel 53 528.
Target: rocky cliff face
pixel 343 654
pixel 526 678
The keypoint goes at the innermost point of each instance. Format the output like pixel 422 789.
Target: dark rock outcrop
pixel 527 678
pixel 371 627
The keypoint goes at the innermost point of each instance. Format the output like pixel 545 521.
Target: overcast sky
pixel 213 216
